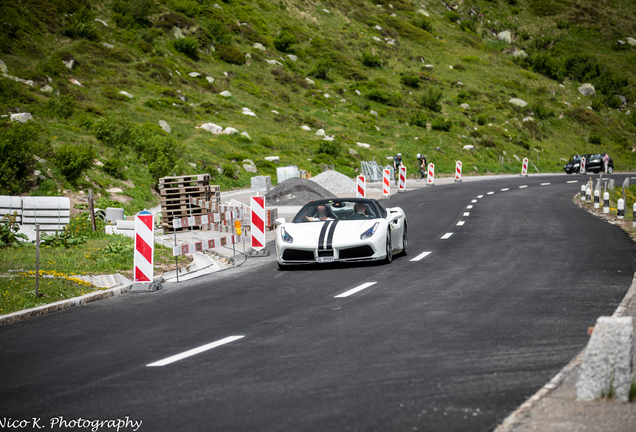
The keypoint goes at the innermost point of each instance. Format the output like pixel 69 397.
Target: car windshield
pixel 338 210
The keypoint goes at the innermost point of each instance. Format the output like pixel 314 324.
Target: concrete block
pixel 261 183
pixel 607 367
pixel 114 214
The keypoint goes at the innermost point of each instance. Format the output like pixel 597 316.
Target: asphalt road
pixel 452 342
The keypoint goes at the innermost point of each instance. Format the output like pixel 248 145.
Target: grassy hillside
pixel 390 73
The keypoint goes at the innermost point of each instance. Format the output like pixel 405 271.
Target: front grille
pixel 298 255
pixel 357 252
pixel 325 253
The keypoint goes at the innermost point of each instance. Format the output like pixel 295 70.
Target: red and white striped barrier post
pixel 458 171
pixel 258 216
pixel 386 183
pixel 582 165
pixel 144 246
pixel 524 168
pixel 361 187
pixel 402 184
pixel 430 179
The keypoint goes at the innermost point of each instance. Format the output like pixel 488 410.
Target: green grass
pixel 144 62
pixel 17 292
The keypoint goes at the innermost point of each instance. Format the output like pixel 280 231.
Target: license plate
pixel 325 259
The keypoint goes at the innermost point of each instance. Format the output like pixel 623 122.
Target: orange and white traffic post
pixel 524 167
pixel 458 171
pixel 144 246
pixel 258 216
pixel 386 183
pixel 430 178
pixel 402 183
pixel 361 187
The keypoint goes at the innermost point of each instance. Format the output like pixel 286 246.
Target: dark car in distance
pixel 593 163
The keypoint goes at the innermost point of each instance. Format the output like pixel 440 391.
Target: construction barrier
pixel 386 183
pixel 606 202
pixel 597 194
pixel 402 183
pixel 620 209
pixel 458 171
pixel 582 164
pixel 430 179
pixel 257 217
pixel 524 167
pixel 212 218
pixel 144 246
pixel 205 245
pixel 361 187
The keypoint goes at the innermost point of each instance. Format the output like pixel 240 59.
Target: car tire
pixel 405 241
pixel 610 170
pixel 388 247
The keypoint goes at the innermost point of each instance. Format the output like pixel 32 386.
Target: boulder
pixel 587 89
pixel 423 12
pixel 504 36
pixel 249 112
pixel 274 159
pixel 464 105
pixel 631 41
pixel 307 128
pixel 292 57
pixel 325 11
pixel 259 46
pixel 275 112
pixel 620 42
pixel 516 157
pixel 107 45
pixel 128 95
pixel 359 144
pixel 69 64
pixel 230 131
pixel 114 190
pixel 372 112
pixel 469 147
pixel 378 28
pixel 520 54
pixel 320 132
pixel 47 88
pixel 358 92
pixel 76 82
pixel 194 74
pixel 518 102
pixel 377 39
pixel 326 95
pixel 353 152
pixel 210 79
pixel 225 94
pixel 390 42
pixel 250 168
pixel 3 67
pixel 527 119
pixel 329 138
pixel 21 117
pixel 274 62
pixel 165 126
pixel 246 135
pixel 429 66
pixel 310 81
pixel 607 367
pixel 177 33
pixel 211 127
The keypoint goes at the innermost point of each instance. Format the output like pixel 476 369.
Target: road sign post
pixel 144 246
pixel 430 178
pixel 458 171
pixel 258 216
pixel 361 187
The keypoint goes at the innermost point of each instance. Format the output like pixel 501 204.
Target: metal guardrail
pixel 373 172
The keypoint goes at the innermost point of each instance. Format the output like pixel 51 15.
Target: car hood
pixel 344 232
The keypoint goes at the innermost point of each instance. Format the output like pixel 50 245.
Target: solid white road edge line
pixel 460 223
pixel 572 181
pixel 447 235
pixel 420 256
pixel 194 351
pixel 524 186
pixel 355 290
pixel 545 184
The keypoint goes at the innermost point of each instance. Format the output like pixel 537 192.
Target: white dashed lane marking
pixel 545 184
pixel 420 256
pixel 524 186
pixel 466 213
pixel 490 193
pixel 460 223
pixel 473 201
pixel 194 351
pixel 355 290
pixel 572 181
pixel 469 207
pixel 447 235
pixel 480 196
pixel 505 189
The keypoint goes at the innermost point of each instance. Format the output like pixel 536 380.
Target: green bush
pixel 220 32
pixel 62 107
pixel 597 104
pixel 18 143
pixel 230 54
pixel 321 70
pixel 613 101
pixel 331 148
pixel 130 13
pixel 468 25
pixel 392 99
pixel 547 65
pixel 188 46
pixel 482 120
pixel 431 99
pixel 81 25
pixel 9 235
pixel 541 110
pixel 423 24
pixel 418 119
pixel 72 160
pixel 230 171
pixel 441 124
pixel 410 80
pixel 115 168
pixel 610 83
pixel 370 60
pixel 452 16
pixel 594 138
pixel 284 41
pixel 581 67
pixel 187 7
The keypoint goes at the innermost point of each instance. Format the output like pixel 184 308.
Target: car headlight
pixel 368 233
pixel 576 165
pixel 285 236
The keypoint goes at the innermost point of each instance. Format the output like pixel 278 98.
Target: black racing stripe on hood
pixel 323 232
pixel 332 231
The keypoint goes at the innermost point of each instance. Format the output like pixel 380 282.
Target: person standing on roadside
pixel 606 159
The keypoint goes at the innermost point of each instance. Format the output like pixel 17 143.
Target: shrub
pixel 370 60
pixel 129 13
pixel 541 111
pixel 441 124
pixel 392 99
pixel 230 171
pixel 431 99
pixel 547 65
pixel 220 32
pixel 72 160
pixel 482 120
pixel 423 23
pixel 594 138
pixel 418 119
pixel 332 148
pixel 468 25
pixel 610 83
pixel 62 107
pixel 188 46
pixel 9 231
pixel 613 101
pixel 452 16
pixel 597 104
pixel 187 7
pixel 410 80
pixel 265 165
pixel 230 54
pixel 284 41
pixel 115 168
pixel 581 67
pixel 321 70
pixel 81 25
pixel 17 147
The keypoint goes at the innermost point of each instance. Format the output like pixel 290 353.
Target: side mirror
pixel 279 221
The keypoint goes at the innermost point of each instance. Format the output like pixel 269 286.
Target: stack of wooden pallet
pixel 175 193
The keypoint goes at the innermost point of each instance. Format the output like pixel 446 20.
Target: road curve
pixel 450 340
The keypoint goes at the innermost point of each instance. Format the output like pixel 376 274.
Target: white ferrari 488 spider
pixel 343 229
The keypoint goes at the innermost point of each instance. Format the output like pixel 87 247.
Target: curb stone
pixel 513 420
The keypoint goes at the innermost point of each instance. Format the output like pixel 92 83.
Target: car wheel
pixel 389 247
pixel 610 170
pixel 405 241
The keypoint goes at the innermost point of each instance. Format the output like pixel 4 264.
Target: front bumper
pixel 296 254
